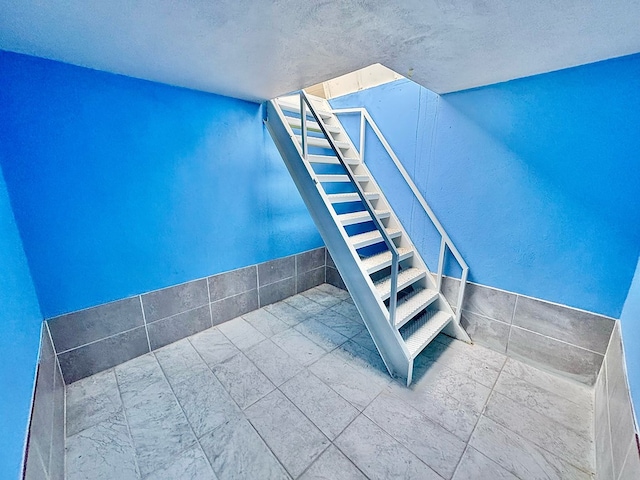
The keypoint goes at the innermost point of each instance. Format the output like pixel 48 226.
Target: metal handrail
pixel 304 103
pixel 446 242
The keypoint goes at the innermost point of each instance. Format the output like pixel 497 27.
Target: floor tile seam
pixel 127 423
pixel 349 459
pixel 315 460
pixel 104 338
pixel 475 357
pixel 484 408
pixel 264 441
pixel 554 454
pixel 398 440
pixel 632 448
pixel 558 340
pixel 316 343
pixel 197 442
pixel 243 336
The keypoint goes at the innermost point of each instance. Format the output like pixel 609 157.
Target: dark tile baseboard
pixel 98 338
pixel 556 338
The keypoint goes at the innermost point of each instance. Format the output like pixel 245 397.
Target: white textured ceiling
pixel 263 48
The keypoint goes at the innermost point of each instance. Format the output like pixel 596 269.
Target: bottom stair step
pixel 421 331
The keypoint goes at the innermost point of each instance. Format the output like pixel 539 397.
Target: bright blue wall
pixel 122 186
pixel 536 180
pixel 630 323
pixel 20 322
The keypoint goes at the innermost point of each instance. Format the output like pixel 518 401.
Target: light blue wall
pixel 536 180
pixel 630 323
pixel 122 186
pixel 20 322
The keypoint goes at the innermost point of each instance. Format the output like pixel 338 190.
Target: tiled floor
pixel 296 390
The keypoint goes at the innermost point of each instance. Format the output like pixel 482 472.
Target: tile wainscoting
pixel 46 438
pixel 560 339
pixel 89 341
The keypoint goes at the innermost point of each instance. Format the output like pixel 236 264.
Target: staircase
pixel 398 297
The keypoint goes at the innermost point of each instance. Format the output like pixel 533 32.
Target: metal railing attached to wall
pixel 445 243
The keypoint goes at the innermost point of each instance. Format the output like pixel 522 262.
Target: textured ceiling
pixel 260 49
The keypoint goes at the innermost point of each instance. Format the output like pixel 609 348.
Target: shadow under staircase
pixel 398 297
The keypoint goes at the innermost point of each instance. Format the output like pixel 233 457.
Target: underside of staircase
pixel 398 297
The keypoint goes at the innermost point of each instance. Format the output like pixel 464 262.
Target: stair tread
pixel 381 260
pixel 296 122
pixel 335 178
pixel 292 104
pixel 323 142
pixel 351 197
pixel 361 217
pixel 331 159
pixel 412 304
pixel 369 238
pixel 421 331
pixel 405 278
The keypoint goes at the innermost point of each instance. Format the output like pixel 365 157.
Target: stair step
pixel 331 160
pixel 292 104
pixel 413 304
pixel 371 238
pixel 341 178
pixel 323 143
pixel 351 197
pixel 361 217
pixel 420 332
pixel 382 260
pixel 405 278
pixel 295 122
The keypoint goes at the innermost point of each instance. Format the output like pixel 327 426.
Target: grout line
pixel 558 340
pixel 484 408
pixel 126 421
pixel 101 339
pixel 144 320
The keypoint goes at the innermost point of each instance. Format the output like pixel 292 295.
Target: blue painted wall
pixel 122 186
pixel 536 180
pixel 630 323
pixel 20 322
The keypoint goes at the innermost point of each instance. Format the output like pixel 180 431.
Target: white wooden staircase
pixel 398 297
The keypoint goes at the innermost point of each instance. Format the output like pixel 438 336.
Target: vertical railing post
pixel 303 127
pixel 362 130
pixel 443 246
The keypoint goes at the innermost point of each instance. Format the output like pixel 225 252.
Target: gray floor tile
pixel 298 346
pixel 542 431
pixel 205 402
pixel 364 339
pixel 341 324
pixel 242 379
pixel 213 346
pixel 241 333
pixel 335 291
pixel 460 359
pixel 578 393
pixel 325 408
pixel 139 379
pixel 236 451
pixel 103 451
pixel 305 305
pixel 321 297
pixel 349 310
pixel 91 401
pixel 491 358
pixel 290 435
pixel 431 443
pixel 442 408
pixel 265 322
pixel 180 362
pixel 332 465
pixel 320 334
pixel 288 314
pixel 347 382
pixel 519 456
pixel 436 377
pixel 378 455
pixel 368 363
pixel 474 466
pixel 189 465
pixel 557 408
pixel 274 362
